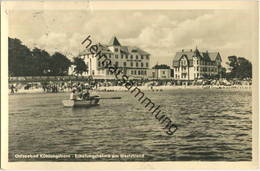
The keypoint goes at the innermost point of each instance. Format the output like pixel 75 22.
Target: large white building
pixel 192 64
pixel 133 61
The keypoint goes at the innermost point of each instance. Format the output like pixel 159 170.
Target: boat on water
pixel 82 103
pixel 92 101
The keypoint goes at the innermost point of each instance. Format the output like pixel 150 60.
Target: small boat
pixel 92 101
pixel 81 103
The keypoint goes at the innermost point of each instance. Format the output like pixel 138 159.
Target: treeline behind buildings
pixel 36 62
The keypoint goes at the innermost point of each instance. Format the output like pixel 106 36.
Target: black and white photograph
pixel 130 85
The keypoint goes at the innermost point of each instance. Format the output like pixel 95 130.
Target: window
pixel 136 56
pixel 142 57
pixel 184 62
pixel 142 64
pixel 144 72
pixel 147 57
pixel 136 64
pixel 116 56
pixel 98 63
pixel 131 56
pixel 163 72
pixel 139 72
pixel 116 49
pixel 197 68
pixel 197 62
pixel 134 72
pixel 126 56
pixel 116 63
pixel 147 65
pixel 131 64
pixel 124 64
pixel 122 56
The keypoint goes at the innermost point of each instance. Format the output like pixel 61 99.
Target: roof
pixel 188 54
pixel 123 49
pixel 213 55
pixel 114 42
pixel 207 56
pixel 134 49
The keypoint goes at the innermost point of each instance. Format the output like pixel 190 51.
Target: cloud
pixel 160 33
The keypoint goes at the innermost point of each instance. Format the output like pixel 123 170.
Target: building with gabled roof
pixel 192 64
pixel 133 61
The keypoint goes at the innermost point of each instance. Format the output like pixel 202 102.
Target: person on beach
pixel 12 89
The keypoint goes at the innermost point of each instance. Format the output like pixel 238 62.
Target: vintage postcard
pixel 129 85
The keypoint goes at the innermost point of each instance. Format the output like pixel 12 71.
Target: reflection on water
pixel 213 125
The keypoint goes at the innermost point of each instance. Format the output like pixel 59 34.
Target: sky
pixel 159 32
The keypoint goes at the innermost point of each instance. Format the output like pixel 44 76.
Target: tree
pixel 41 62
pixel 19 58
pixel 239 67
pixel 162 66
pixel 80 66
pixel 24 62
pixel 59 64
pixel 232 63
pixel 244 68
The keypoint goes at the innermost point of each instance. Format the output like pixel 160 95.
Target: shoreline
pixel 143 88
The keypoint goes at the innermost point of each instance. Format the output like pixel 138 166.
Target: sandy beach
pixel 143 88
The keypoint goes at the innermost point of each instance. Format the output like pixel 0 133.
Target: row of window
pixel 138 72
pixel 184 62
pixel 133 72
pixel 203 69
pixel 125 64
pixel 122 56
pixel 205 62
pixel 184 75
pixel 130 56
